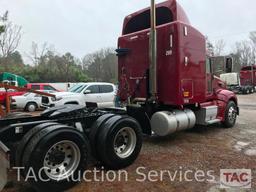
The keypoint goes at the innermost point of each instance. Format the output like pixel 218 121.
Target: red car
pixel 41 86
pixel 34 86
pixel 11 92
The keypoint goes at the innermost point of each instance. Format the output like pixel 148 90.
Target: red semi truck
pixel 167 85
pixel 248 78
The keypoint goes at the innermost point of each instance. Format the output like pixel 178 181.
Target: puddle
pixel 240 145
pixel 216 188
pixel 250 152
pixel 251 131
pixel 243 144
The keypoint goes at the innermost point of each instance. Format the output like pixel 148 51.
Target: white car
pixel 103 94
pixel 28 102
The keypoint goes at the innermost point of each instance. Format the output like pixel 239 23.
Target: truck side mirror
pixel 87 92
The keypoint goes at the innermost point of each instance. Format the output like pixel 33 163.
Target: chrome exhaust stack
pixel 153 54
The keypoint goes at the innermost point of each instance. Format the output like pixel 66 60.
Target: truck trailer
pixel 166 83
pixel 243 82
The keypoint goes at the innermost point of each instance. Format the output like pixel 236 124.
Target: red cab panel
pixel 248 76
pixel 181 58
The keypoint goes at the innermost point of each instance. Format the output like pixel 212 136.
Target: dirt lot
pixel 203 148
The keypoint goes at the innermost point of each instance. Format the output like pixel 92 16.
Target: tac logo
pixel 235 178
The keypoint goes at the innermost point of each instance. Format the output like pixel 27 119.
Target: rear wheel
pixel 58 155
pixel 25 140
pixel 31 107
pixel 95 129
pixel 230 115
pixel 119 142
pixel 247 91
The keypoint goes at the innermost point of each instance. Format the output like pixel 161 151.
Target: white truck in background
pixel 102 94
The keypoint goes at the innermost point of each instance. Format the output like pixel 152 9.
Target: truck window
pixel 94 89
pixel 35 87
pixel 106 89
pixel 48 87
pixel 229 65
pixel 208 66
pixel 142 21
pixel 209 75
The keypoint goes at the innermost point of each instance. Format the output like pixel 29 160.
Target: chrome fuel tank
pixel 164 123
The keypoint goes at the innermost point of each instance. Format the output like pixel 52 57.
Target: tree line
pixel 46 65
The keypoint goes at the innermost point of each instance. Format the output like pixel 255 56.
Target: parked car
pixel 34 86
pixel 41 86
pixel 84 93
pixel 28 102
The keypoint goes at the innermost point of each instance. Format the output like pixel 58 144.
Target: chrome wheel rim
pixel 31 108
pixel 232 114
pixel 125 142
pixel 62 160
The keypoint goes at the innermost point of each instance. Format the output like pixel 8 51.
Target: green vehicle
pixel 13 79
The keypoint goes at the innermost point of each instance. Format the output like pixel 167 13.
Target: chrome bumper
pixel 5 165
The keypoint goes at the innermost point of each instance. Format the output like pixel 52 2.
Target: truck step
pixel 213 121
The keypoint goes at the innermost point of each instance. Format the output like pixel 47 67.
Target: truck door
pixel 209 77
pixel 107 95
pixel 92 94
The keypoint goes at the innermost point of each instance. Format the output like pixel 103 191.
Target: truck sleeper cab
pixel 187 91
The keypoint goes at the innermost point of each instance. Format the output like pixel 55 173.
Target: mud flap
pixel 5 165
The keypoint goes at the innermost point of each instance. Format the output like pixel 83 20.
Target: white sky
pixel 81 26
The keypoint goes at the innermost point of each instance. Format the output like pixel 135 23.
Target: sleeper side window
pixel 142 21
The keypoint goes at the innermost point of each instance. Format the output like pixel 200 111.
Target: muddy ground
pixel 203 148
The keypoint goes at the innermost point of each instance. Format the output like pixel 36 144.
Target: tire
pixel 252 90
pixel 94 131
pixel 119 142
pixel 26 138
pixel 243 91
pixel 230 115
pixel 247 91
pixel 52 149
pixel 31 107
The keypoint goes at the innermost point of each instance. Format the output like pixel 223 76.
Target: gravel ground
pixel 203 148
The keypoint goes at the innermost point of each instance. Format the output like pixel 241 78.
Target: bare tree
pixel 253 37
pixel 253 40
pixel 209 47
pixel 2 20
pixel 219 47
pixel 101 65
pixel 37 53
pixel 245 52
pixel 10 39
